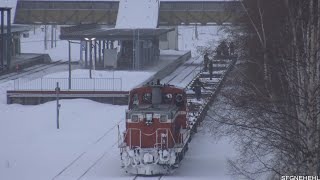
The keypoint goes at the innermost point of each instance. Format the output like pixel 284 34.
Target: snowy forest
pixel 278 89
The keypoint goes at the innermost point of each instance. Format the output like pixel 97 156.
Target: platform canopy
pixel 100 32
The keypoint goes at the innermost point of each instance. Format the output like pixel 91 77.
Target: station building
pixel 10 44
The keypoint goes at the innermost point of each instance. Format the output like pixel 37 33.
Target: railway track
pixel 182 69
pixel 97 161
pixel 72 166
pixel 29 71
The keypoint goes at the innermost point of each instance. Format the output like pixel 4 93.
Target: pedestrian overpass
pixel 171 13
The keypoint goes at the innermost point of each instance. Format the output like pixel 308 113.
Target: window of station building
pixel 163 118
pixel 147 97
pixel 134 118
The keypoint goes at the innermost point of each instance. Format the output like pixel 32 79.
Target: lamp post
pixel 69 78
pixel 90 54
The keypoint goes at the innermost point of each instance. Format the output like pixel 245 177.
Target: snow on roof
pixel 138 14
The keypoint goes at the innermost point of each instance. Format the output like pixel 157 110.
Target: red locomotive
pixel 156 135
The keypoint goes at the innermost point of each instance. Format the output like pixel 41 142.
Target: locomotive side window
pixel 163 118
pixel 134 118
pixel 147 97
pixel 135 99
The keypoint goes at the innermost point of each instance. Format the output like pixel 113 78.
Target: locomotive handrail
pixel 149 134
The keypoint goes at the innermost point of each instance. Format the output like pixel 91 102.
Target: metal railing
pixel 84 84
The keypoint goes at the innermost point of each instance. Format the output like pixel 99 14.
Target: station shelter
pixel 120 48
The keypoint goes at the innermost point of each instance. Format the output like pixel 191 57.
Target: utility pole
pixel 45 37
pixel 55 36
pixel 2 55
pixel 52 36
pixel 90 55
pixel 58 105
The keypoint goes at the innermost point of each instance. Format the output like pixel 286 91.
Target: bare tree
pixel 278 124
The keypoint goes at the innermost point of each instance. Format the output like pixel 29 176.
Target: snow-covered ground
pixel 31 148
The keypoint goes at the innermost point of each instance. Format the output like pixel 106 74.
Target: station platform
pixel 104 90
pixel 25 60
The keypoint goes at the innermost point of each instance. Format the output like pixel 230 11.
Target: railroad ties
pixel 197 109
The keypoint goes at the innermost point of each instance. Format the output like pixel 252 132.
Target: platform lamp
pixel 90 41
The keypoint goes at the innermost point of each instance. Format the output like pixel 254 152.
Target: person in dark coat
pixel 231 48
pixel 197 85
pixel 218 51
pixel 205 61
pixel 224 48
pixel 210 69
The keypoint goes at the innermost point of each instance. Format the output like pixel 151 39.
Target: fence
pixel 45 84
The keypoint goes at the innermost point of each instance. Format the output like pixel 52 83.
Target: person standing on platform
pixel 210 69
pixel 205 61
